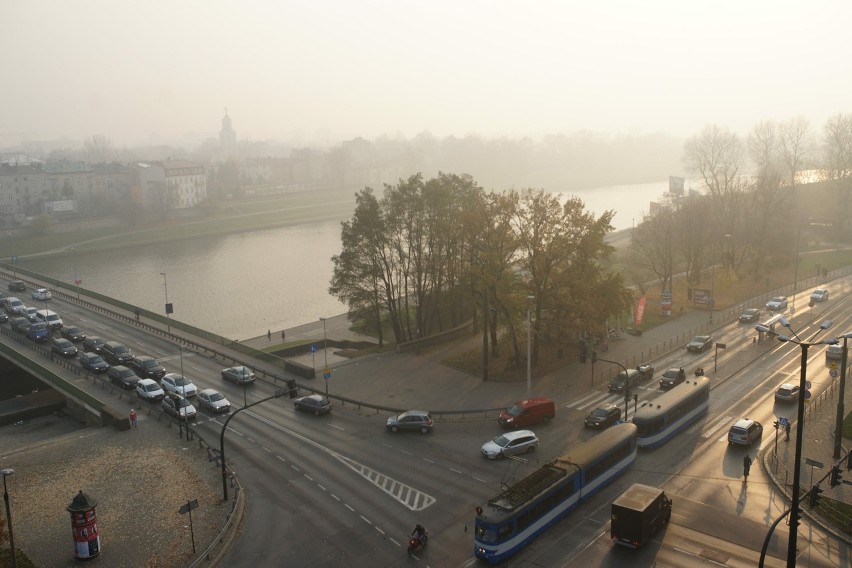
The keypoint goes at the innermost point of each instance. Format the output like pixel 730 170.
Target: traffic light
pixel 594 357
pixel 293 391
pixel 814 496
pixel 835 478
pixel 775 425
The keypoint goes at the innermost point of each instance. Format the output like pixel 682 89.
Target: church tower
pixel 227 136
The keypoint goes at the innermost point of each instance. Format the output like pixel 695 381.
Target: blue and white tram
pixel 526 509
pixel 660 419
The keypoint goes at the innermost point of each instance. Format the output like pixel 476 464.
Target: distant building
pixel 171 184
pixel 227 137
pixel 21 188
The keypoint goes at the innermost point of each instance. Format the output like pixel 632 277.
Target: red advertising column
pixel 84 526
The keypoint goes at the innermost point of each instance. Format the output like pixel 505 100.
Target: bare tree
pixel 796 146
pixel 837 140
pixel 98 149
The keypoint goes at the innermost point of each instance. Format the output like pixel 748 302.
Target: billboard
pixel 676 185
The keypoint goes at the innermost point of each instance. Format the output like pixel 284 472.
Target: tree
pixel 98 149
pixel 837 143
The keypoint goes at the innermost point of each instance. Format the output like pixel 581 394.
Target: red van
pixel 528 411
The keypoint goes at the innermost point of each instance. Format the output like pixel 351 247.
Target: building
pixel 227 137
pixel 171 184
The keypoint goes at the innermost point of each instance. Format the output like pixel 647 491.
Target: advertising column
pixel 84 526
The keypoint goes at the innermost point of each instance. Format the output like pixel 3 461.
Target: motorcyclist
pixel 420 531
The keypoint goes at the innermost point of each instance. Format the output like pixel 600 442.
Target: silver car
pixel 178 384
pixel 510 444
pixel 214 401
pixel 238 375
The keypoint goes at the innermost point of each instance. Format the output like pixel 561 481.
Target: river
pixel 240 285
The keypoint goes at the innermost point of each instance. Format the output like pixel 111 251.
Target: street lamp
pixel 325 371
pixel 277 394
pixel 529 342
pixel 796 271
pixel 838 425
pixel 794 499
pixel 5 473
pixel 76 278
pixel 168 305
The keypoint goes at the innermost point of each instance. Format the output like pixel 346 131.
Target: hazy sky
pixel 163 71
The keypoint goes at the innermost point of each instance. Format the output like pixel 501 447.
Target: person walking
pixel 269 334
pixel 746 466
pixel 133 417
pixel 787 432
pixel 283 335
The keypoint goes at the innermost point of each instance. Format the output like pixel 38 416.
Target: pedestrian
pixel 133 417
pixel 787 432
pixel 137 314
pixel 283 335
pixel 269 334
pixel 746 466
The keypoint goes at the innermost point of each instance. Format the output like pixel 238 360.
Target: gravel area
pixel 140 478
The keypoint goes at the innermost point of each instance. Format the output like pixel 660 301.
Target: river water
pixel 240 285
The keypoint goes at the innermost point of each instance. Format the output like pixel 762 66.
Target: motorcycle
pixel 415 542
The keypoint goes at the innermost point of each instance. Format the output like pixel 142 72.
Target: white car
pixel 178 384
pixel 819 295
pixel 510 444
pixel 213 400
pixel 777 303
pixel 148 389
pixel 30 314
pixel 41 294
pixel 241 375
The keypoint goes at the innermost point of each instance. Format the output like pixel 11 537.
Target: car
pixel 178 406
pixel 316 403
pixel 672 377
pixel 116 353
pixel 147 367
pixel 150 390
pixel 38 332
pixel 750 315
pixel 625 379
pixel 819 295
pixel 4 317
pixel 527 411
pixel 51 318
pixel 834 353
pixel 510 444
pixel 30 314
pixel 72 333
pixel 178 384
pixel 419 420
pixel 93 344
pixel 240 375
pixel 19 324
pixel 13 306
pixel 41 294
pixel 17 286
pixel 699 344
pixel 603 417
pixel 647 370
pixel 93 363
pixel 788 392
pixel 745 432
pixel 123 377
pixel 63 347
pixel 777 303
pixel 214 401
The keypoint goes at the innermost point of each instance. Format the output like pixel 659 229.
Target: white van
pixel 51 318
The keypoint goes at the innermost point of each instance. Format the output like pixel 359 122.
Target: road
pixel 339 489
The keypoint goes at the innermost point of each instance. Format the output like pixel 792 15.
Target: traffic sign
pixel 833 364
pixel 721 345
pixel 807 395
pixel 783 421
pixel 326 373
pixel 814 463
pixel 833 372
pixel 313 347
pixel 807 384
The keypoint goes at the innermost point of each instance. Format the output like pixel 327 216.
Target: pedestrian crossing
pixel 597 398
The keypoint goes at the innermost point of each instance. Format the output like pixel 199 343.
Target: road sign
pixel 807 395
pixel 783 421
pixel 807 384
pixel 833 372
pixel 721 346
pixel 326 373
pixel 190 505
pixel 313 347
pixel 833 364
pixel 814 463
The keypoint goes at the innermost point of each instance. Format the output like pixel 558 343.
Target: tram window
pixel 505 531
pixel 485 533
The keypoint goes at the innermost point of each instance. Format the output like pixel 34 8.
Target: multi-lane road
pixel 340 490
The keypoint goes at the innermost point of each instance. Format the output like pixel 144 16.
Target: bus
pixel 660 419
pixel 522 511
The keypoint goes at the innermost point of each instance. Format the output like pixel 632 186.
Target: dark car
pixel 19 324
pixel 72 333
pixel 123 377
pixel 750 315
pixel 315 403
pixel 699 344
pixel 672 377
pixel 603 417
pixel 178 407
pixel 147 367
pixel 116 353
pixel 621 381
pixel 63 347
pixel 4 317
pixel 17 286
pixel 419 420
pixel 93 363
pixel 93 344
pixel 38 332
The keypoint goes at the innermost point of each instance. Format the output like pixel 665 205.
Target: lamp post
pixel 5 473
pixel 73 251
pixel 529 343
pixel 796 271
pixel 325 371
pixel 277 394
pixel 168 306
pixel 794 498
pixel 838 425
